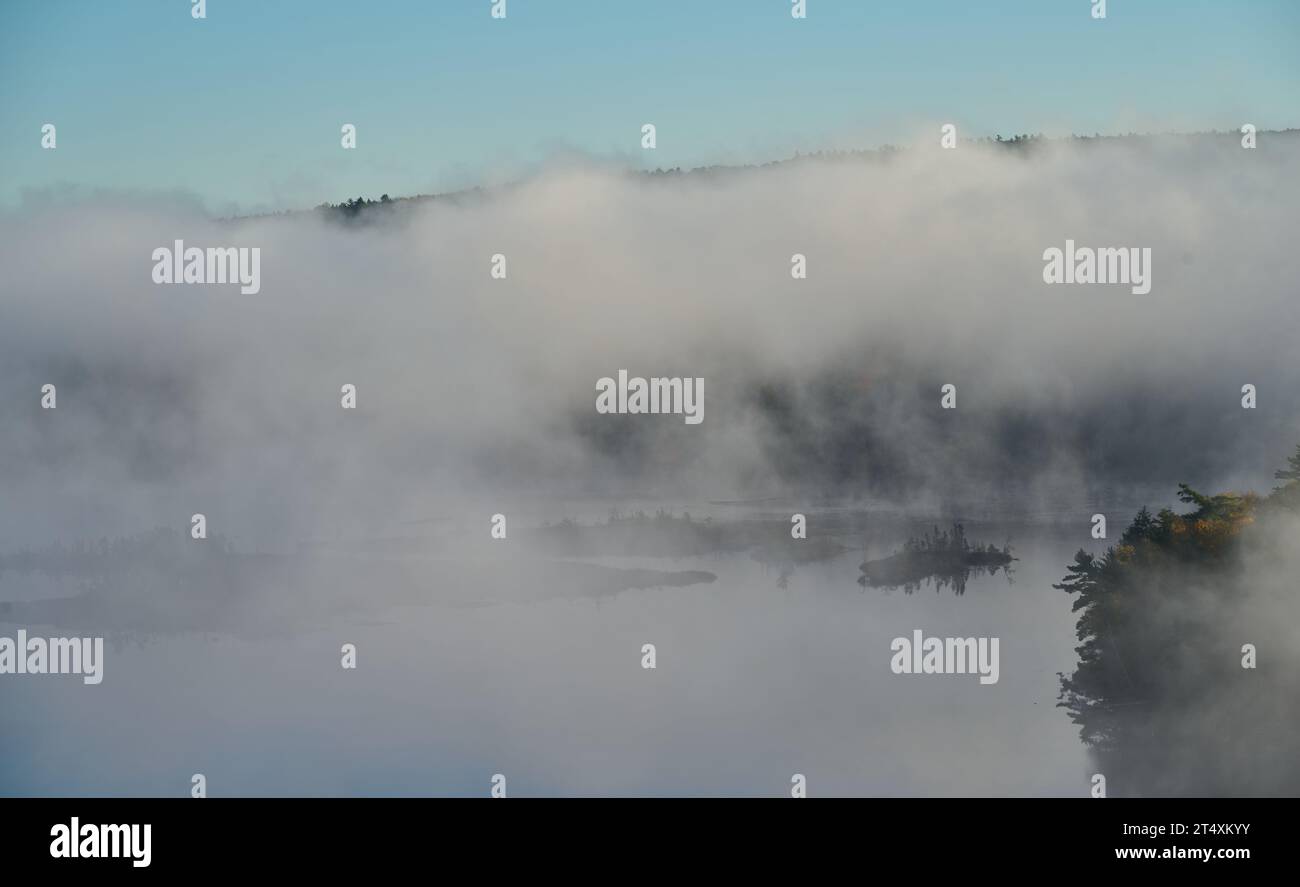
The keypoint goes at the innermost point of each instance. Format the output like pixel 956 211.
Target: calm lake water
pixel 760 674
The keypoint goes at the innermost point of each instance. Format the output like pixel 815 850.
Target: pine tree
pixel 1083 574
pixel 1291 474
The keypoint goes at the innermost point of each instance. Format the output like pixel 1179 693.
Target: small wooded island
pixel 947 557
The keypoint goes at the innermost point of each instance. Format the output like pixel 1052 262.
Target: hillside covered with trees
pixel 1186 681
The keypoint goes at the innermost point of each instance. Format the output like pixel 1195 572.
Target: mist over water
pixel 551 693
pixel 476 397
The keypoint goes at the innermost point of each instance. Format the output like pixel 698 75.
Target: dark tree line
pixel 1159 690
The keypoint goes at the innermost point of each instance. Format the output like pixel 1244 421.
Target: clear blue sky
pixel 244 109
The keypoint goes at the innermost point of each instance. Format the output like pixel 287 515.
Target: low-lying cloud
pixel 924 268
